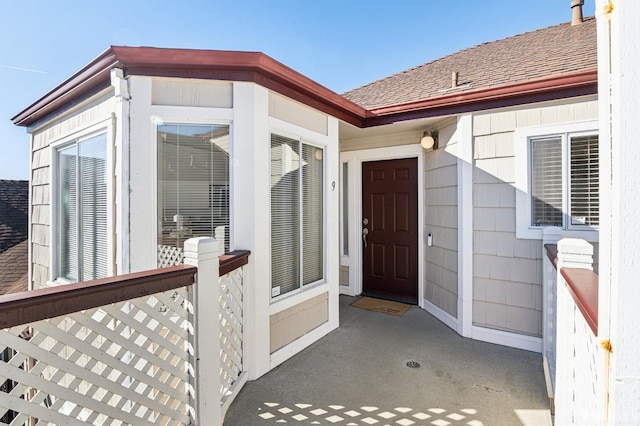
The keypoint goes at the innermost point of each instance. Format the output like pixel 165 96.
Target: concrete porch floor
pixel 357 375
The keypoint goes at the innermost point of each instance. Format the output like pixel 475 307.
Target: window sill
pixel 590 235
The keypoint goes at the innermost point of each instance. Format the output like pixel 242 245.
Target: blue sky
pixel 341 44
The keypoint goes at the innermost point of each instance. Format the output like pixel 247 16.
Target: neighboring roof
pixel 14 212
pixel 553 51
pixel 552 63
pixel 13 268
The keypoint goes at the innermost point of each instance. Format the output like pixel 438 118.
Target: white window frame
pixel 303 136
pixel 101 127
pixel 523 138
pixel 189 115
pixel 157 122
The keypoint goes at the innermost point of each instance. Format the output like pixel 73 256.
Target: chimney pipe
pixel 576 12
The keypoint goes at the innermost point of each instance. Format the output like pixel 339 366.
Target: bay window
pixel 297 214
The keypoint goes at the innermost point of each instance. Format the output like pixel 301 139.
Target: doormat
pixel 378 305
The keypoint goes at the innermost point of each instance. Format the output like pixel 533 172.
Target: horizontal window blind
pixel 297 214
pixel 312 214
pixel 193 182
pixel 92 162
pixel 82 210
pixel 285 214
pixel 546 182
pixel 68 213
pixel 584 180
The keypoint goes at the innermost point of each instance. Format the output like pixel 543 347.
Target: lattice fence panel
pixel 230 329
pixel 169 256
pixel 126 363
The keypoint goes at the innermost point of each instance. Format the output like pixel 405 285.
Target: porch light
pixel 429 140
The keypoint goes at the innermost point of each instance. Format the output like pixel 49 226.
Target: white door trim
pixel 355 160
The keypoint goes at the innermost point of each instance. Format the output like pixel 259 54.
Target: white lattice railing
pixel 169 256
pixel 231 371
pixel 126 350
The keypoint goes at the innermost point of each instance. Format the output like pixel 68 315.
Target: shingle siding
pixel 441 220
pixel 507 271
pixel 96 112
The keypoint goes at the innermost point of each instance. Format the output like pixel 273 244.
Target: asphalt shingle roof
pixel 14 211
pixel 555 50
pixel 13 268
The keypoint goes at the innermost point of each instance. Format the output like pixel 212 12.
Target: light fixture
pixel 429 140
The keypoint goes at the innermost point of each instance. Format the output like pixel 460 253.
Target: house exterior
pixel 14 218
pixel 144 148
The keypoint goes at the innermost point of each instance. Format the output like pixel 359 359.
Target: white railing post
pixel 203 252
pixel 572 253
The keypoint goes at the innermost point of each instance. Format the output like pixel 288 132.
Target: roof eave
pixel 94 74
pixel 187 63
pixel 560 86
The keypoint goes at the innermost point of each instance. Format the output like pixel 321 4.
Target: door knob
pixel 365 232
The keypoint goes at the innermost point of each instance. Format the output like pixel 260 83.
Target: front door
pixel 390 229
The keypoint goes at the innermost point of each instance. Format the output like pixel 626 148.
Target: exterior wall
pixel 344 275
pixel 441 221
pixel 299 319
pixel 382 141
pixel 296 113
pixel 90 113
pixel 292 323
pixel 507 284
pixel 196 93
pixel 619 294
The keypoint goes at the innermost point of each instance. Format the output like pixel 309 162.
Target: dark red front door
pixel 390 221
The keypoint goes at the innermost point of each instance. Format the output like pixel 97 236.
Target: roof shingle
pixel 555 50
pixel 14 211
pixel 13 268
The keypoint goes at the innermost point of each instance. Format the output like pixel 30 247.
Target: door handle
pixel 365 232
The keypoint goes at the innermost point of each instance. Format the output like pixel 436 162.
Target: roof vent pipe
pixel 454 79
pixel 576 12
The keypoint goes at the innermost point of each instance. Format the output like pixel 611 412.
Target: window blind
pixel 67 214
pixel 193 182
pixel 546 181
pixel 92 164
pixel 297 214
pixel 584 180
pixel 285 214
pixel 82 210
pixel 312 214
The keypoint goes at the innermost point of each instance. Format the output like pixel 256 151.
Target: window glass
pixel 584 178
pixel 297 214
pixel 546 182
pixel 345 209
pixel 82 210
pixel 193 186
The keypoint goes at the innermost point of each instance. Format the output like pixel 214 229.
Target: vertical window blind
pixel 193 182
pixel 82 210
pixel 297 214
